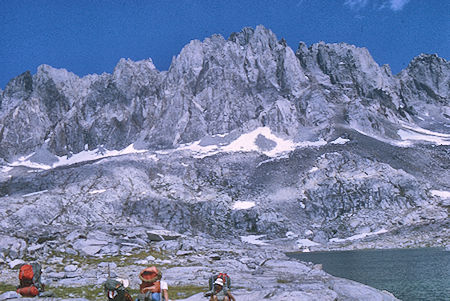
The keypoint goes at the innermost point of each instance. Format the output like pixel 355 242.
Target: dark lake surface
pixel 410 274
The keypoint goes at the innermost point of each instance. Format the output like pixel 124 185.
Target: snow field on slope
pixel 248 143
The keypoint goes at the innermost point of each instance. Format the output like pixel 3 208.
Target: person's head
pixel 218 284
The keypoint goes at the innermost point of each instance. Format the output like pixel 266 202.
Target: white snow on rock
pixel 34 193
pixel 76 158
pixel 340 140
pixel 358 236
pixel 240 205
pixel 248 143
pixel 254 239
pixel 313 169
pixel 409 133
pixel 441 193
pixel 259 140
pixel 291 234
pixel 5 169
pixel 97 191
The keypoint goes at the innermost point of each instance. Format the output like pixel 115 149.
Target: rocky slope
pixel 240 139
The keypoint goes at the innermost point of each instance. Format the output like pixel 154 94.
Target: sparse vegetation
pixel 5 287
pixel 185 291
pixel 89 292
pixel 92 292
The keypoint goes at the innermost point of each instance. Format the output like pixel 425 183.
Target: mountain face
pixel 321 142
pixel 215 87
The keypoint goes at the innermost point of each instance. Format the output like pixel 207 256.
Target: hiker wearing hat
pixel 219 294
pixel 152 287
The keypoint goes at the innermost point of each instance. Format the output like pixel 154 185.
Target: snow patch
pixel 254 239
pixel 240 205
pixel 5 169
pixel 340 140
pixel 313 169
pixel 259 140
pixel 76 158
pixel 441 193
pixel 291 234
pixel 358 236
pixel 34 193
pixel 410 133
pixel 97 191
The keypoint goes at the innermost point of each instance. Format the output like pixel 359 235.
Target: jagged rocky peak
pixel 344 65
pixel 260 38
pixel 55 84
pixel 130 77
pixel 431 74
pixel 252 57
pixel 19 87
pixel 224 84
pixel 126 67
pixel 57 75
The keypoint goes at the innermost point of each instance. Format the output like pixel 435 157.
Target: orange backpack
pixel 26 275
pixel 30 280
pixel 150 280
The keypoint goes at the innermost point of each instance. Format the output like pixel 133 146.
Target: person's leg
pixel 226 298
pixel 213 298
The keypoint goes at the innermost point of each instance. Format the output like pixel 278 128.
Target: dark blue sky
pixel 91 36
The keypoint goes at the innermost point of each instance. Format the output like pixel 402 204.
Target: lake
pixel 410 274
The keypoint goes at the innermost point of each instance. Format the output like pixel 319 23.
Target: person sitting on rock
pixel 116 290
pixel 219 294
pixel 152 287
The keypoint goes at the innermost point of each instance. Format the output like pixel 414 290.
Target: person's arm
pixel 231 296
pixel 164 290
pixel 166 294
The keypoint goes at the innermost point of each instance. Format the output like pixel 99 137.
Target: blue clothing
pixel 155 297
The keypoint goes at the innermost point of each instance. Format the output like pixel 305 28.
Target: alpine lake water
pixel 409 274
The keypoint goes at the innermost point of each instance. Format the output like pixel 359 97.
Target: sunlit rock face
pixel 218 86
pixel 241 136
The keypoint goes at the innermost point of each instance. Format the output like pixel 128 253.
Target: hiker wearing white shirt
pixel 164 291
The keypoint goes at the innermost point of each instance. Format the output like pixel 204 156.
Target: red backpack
pixel 30 280
pixel 150 278
pixel 226 281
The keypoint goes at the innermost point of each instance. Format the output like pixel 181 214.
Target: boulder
pixel 159 235
pixel 9 295
pixel 15 263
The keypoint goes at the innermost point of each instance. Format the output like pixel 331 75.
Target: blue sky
pixel 91 36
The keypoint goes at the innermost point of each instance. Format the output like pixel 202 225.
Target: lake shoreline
pixel 410 274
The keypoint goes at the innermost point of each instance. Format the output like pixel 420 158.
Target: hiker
pixel 30 280
pixel 219 293
pixel 152 287
pixel 116 290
